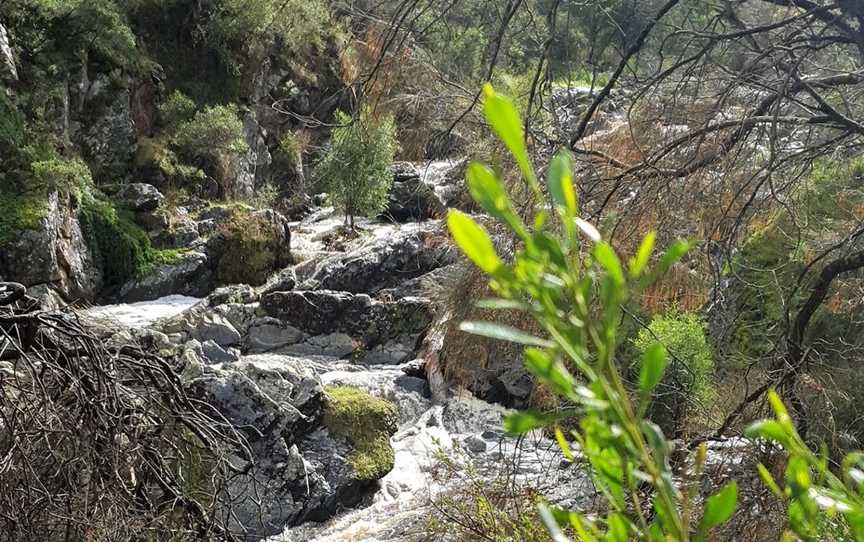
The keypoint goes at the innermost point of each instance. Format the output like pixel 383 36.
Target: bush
pixel 176 109
pixel 213 130
pixel 356 171
pixel 688 380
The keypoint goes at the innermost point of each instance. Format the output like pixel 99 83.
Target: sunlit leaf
pixel 563 444
pixel 503 333
pixel 640 261
pixel 589 230
pixel 550 371
pixel 560 180
pixel 502 116
pixel 769 430
pixel 608 260
pixel 474 241
pixel 719 507
pixel 522 422
pixel 653 367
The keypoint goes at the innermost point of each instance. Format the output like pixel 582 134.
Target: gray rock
pixel 413 384
pixel 139 196
pixel 404 171
pixel 385 261
pixel 372 322
pixel 334 345
pixel 236 293
pixel 109 141
pixel 240 315
pixel 8 69
pixel 283 281
pixel 415 367
pixel 214 353
pixel 54 253
pixel 412 199
pixel 475 444
pixel 214 327
pixel 393 352
pixel 189 275
pixel 269 334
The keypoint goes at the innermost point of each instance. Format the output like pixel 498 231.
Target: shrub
pixel 176 109
pixel 688 380
pixel 368 422
pixel 576 295
pixel 213 130
pixel 355 171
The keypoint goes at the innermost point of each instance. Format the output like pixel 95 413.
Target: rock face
pixel 188 275
pixel 8 69
pixel 109 141
pixel 384 261
pixel 139 197
pixel 410 197
pixel 324 312
pixel 314 452
pixel 54 253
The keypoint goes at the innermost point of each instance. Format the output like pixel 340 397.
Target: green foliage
pixel 817 498
pixel 176 109
pixel 65 176
pixel 211 131
pixel 355 171
pixel 368 422
pixel 123 248
pixel 240 29
pixel 576 297
pixel 20 212
pixel 688 380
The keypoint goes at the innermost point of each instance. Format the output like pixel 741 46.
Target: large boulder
pixel 139 196
pixel 384 261
pixel 410 197
pixel 373 322
pixel 8 69
pixel 187 275
pixel 53 253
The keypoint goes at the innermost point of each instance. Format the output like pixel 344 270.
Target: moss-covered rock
pixel 368 423
pixel 252 245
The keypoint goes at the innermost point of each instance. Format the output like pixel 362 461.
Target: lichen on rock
pixel 368 422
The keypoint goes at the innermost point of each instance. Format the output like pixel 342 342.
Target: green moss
pixel 249 252
pixel 368 422
pixel 19 212
pixel 123 248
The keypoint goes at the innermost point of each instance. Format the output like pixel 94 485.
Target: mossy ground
pixel 368 422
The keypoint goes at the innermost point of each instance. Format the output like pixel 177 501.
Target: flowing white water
pixel 144 313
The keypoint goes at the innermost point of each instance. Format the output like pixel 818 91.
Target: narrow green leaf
pixel 560 179
pixel 502 116
pixel 548 517
pixel 769 430
pixel 720 507
pixel 618 530
pixel 674 253
pixel 646 248
pixel 653 366
pixel 606 257
pixel 563 444
pixel 769 481
pixel 501 304
pixel 519 423
pixel 551 372
pixel 474 241
pixel 503 333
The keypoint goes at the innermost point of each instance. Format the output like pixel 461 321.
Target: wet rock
pixel 432 284
pixel 188 275
pixel 335 345
pixel 393 352
pixel 384 261
pixel 283 281
pixel 404 171
pixel 214 353
pixel 323 312
pixel 139 196
pixel 474 444
pixel 412 199
pixel 276 401
pixel 416 367
pixel 214 327
pixel 236 293
pixel 413 384
pixel 269 334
